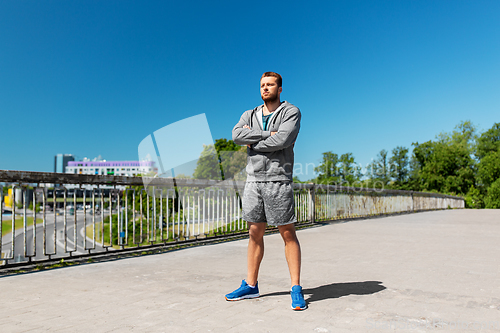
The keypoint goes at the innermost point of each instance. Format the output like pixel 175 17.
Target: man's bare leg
pixel 255 250
pixel 292 251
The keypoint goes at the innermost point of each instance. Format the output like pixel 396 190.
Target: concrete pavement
pixel 433 271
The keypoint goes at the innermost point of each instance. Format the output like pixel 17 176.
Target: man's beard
pixel 270 97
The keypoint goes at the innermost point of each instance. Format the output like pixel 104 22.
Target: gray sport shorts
pixel 269 202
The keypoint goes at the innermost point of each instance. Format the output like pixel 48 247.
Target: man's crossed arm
pixel 266 141
pixel 248 127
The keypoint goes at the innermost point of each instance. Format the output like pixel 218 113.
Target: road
pixel 61 248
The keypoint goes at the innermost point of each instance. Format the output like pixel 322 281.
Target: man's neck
pixel 270 107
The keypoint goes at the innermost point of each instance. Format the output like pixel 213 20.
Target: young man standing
pixel 269 131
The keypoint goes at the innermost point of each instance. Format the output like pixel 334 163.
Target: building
pixel 9 197
pixel 115 168
pixel 61 162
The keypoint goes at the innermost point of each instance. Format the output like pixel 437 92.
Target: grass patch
pixel 175 232
pixel 19 224
pixel 234 226
pixel 132 243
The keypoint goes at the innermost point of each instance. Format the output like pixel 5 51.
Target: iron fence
pixel 55 216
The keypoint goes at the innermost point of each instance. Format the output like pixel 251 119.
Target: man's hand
pixel 248 127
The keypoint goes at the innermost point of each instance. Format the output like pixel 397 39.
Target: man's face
pixel 269 90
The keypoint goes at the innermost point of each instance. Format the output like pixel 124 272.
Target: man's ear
pixel 280 89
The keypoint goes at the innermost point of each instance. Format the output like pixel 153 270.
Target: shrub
pixel 492 199
pixel 473 198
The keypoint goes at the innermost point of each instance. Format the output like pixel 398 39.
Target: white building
pixel 114 168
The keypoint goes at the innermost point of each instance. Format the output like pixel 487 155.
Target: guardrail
pixel 87 215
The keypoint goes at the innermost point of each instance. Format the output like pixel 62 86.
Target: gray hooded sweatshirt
pixel 270 158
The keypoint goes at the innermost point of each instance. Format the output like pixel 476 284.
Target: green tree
pixel 488 167
pixel 473 198
pixel 444 166
pixel 488 170
pixel 492 199
pixel 399 165
pixel 488 142
pixel 378 170
pixel 464 134
pixel 226 145
pixel 37 207
pixel 208 164
pixel 234 163
pixel 447 164
pixel 328 170
pixel 223 160
pixel 160 194
pixel 350 172
pixel 414 181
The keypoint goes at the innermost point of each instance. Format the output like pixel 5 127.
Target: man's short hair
pixel 273 74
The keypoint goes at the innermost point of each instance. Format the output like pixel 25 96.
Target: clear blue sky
pixel 96 77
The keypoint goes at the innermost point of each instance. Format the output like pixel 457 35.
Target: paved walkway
pixel 434 271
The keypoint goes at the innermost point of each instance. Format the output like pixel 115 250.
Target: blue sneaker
pixel 244 291
pixel 298 302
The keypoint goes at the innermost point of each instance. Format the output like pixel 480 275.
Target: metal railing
pixel 55 216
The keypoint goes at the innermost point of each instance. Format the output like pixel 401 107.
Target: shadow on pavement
pixel 336 290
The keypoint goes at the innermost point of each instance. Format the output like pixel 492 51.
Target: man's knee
pixel 256 231
pixel 288 233
pixel 256 236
